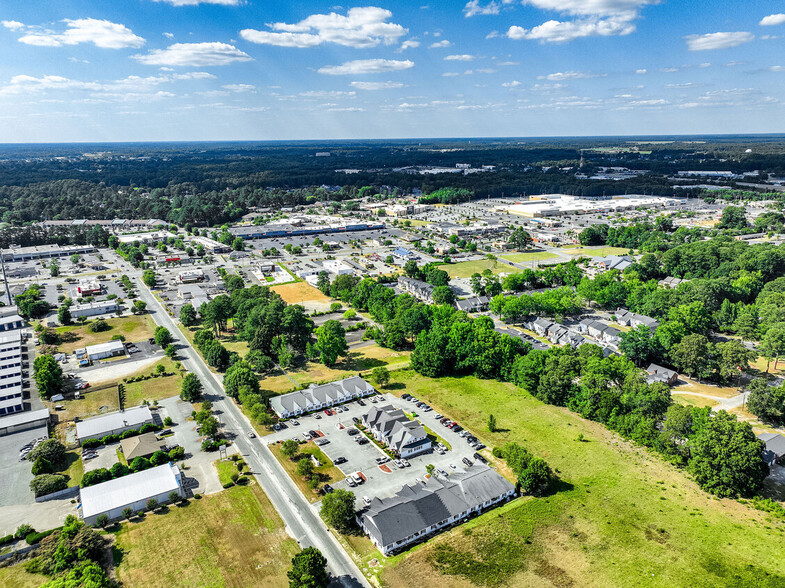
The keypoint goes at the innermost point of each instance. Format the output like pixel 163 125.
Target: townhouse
pixel 390 426
pixel 320 397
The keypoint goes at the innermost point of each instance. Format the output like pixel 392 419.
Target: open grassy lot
pixel 597 251
pixel 706 389
pixel 621 516
pixel 232 539
pixel 133 328
pixel 327 472
pixel 16 577
pixel 466 269
pixel 104 395
pixel 299 292
pixel 690 400
pixel 363 359
pixel 530 256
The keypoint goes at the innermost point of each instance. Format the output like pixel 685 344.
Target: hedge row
pixel 146 428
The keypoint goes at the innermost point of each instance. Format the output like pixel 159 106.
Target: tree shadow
pixel 394 386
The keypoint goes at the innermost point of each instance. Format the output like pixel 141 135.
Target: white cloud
pixel 366 66
pixel 450 74
pixel 459 58
pixel 168 35
pixel 13 25
pixel 409 44
pixel 101 33
pixel 137 85
pixel 327 94
pixel 440 44
pixel 640 71
pixel 512 84
pixel 23 84
pixel 570 75
pixel 197 2
pixel 591 7
pixel 346 109
pixel 239 88
pixel 555 31
pixel 361 27
pixel 712 41
pixel 492 35
pixel 376 85
pixel 474 8
pixel 777 68
pixel 194 54
pixel 772 20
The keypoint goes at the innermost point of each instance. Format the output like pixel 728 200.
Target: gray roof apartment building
pixel 405 437
pixel 318 397
pixel 419 511
pixel 421 290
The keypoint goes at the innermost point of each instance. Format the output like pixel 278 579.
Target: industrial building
pixel 290 230
pixel 23 421
pixel 44 252
pixel 94 308
pixel 103 350
pixel 131 491
pixel 113 423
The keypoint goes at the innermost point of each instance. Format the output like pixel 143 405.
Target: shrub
pixel 128 513
pixel 119 470
pixel 197 496
pixel 110 439
pixel 159 458
pixel 93 443
pixel 44 484
pixel 102 520
pixel 234 477
pixel 127 434
pixel 98 326
pixel 23 531
pixel 177 454
pixel 7 539
pixel 34 538
pixel 148 427
pixel 174 497
pixel 42 466
pixel 139 464
pixel 168 422
pixel 51 449
pixel 95 477
pixel 152 504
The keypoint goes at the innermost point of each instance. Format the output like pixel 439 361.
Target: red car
pixel 328 412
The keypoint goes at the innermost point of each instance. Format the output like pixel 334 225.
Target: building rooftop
pixel 131 417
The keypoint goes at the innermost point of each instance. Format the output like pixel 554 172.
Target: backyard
pixel 621 515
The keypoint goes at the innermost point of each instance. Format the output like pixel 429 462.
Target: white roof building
pixel 113 423
pixel 102 350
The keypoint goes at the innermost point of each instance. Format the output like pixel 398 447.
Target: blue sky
pixel 135 70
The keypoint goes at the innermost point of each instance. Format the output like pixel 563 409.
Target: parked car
pixel 437 417
pixel 327 489
pixel 452 466
pixel 313 433
pixel 399 463
pixel 361 440
pixel 322 441
pixel 307 436
pixel 356 420
pixel 406 396
pixel 360 402
pixel 328 412
pixel 317 416
pixel 357 477
pixel 479 457
pixel 339 460
pixel 352 432
pixel 406 464
pixel 441 471
pixel 366 500
pixel 467 461
pixel 351 482
pixel 251 434
pixel 296 423
pixel 439 450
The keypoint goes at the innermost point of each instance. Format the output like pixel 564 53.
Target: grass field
pixel 133 328
pixel 327 472
pixel 299 292
pixel 466 269
pixel 363 359
pixel 530 256
pixel 105 395
pixel 597 251
pixel 690 400
pixel 706 389
pixel 621 516
pixel 16 577
pixel 232 539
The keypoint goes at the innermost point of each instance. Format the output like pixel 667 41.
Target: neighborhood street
pixel 302 522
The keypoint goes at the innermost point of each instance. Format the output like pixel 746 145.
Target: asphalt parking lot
pixel 15 481
pixel 362 457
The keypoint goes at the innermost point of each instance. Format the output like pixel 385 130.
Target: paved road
pixel 302 522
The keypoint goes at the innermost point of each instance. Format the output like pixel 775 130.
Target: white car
pixel 366 500
pixel 405 463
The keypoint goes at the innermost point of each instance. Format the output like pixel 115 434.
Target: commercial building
pixel 320 397
pixel 422 510
pixel 141 446
pixel 131 491
pixel 114 225
pixel 89 287
pixel 104 350
pixel 337 267
pixel 44 252
pixel 390 426
pixel 190 276
pixel 146 238
pixel 94 308
pixel 210 245
pixel 10 319
pixel 114 423
pixel 289 230
pixel 23 421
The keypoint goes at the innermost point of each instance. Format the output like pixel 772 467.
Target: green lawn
pixel 530 256
pixel 327 472
pixel 621 516
pixel 133 328
pixel 466 269
pixel 232 539
pixel 597 251
pixel 16 577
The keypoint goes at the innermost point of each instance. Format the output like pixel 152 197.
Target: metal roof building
pixel 113 423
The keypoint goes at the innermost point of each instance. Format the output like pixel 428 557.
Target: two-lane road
pixel 302 522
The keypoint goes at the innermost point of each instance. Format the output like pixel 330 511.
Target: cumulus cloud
pixel 101 33
pixel 570 75
pixel 194 55
pixel 641 71
pixel 24 84
pixel 712 41
pixel 409 44
pixel 361 27
pixel 376 85
pixel 772 20
pixel 366 66
pixel 459 58
pixel 512 84
pixel 440 44
pixel 238 88
pixel 474 8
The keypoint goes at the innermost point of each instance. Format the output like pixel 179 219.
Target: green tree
pixel 694 355
pixel 443 295
pixel 139 306
pixel 733 358
pixel 238 375
pixel 148 278
pixel 170 351
pixel 54 268
pixel 727 457
pixel 191 388
pixel 163 337
pixel 290 448
pixel 304 467
pixel 765 402
pixel 64 315
pixel 733 217
pixel 380 376
pixel 238 244
pixel 491 423
pixel 187 315
pixel 641 346
pixel 51 450
pixel 309 570
pixel 520 239
pixel 338 510
pixel 42 466
pixel 331 342
pixel 772 346
pixel 48 376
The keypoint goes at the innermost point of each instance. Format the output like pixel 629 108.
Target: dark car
pixel 467 461
pixel 356 420
pixel 479 457
pixel 327 489
pixel 362 441
pixel 339 460
pixel 360 402
pixel 312 433
pixel 151 340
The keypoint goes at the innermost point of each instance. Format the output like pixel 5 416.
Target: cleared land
pixel 231 539
pixel 690 400
pixel 530 256
pixel 299 292
pixel 133 328
pixel 706 389
pixel 597 251
pixel 621 517
pixel 466 269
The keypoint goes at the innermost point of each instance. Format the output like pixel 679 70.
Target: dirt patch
pixel 299 292
pixel 554 574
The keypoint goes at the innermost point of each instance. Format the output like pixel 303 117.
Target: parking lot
pixel 15 481
pixel 362 458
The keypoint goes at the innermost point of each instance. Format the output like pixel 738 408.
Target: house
pixel 541 326
pixel 774 449
pixel 417 512
pixel 630 319
pixel 657 373
pixel 131 491
pixel 421 290
pixel 94 308
pixel 403 254
pixel 320 397
pixel 113 423
pixel 390 426
pixel 104 350
pixel 671 282
pixel 617 262
pixel 473 304
pixel 600 331
pixel 555 332
pixel 141 446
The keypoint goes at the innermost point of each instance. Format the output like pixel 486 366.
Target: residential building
pixel 10 319
pixel 114 423
pixel 600 331
pixel 421 290
pixel 390 426
pixel 657 373
pixel 103 350
pixel 630 319
pixel 617 262
pixel 671 282
pixel 320 397
pixel 541 326
pixel 774 449
pixel 424 509
pixel 131 491
pixel 94 308
pixel 141 446
pixel 11 364
pixel 473 304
